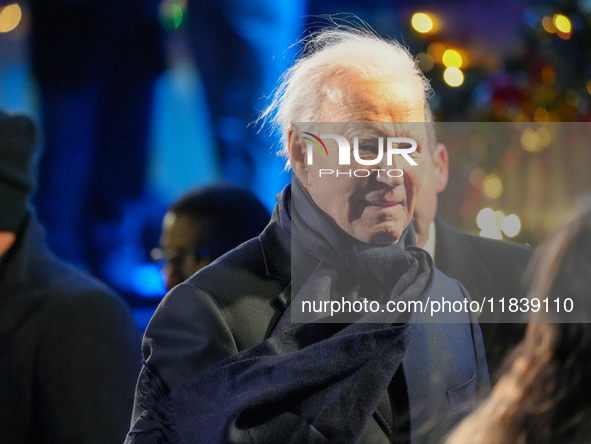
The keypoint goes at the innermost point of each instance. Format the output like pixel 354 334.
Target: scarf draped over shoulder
pixel 312 382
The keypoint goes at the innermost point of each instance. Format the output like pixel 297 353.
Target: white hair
pixel 333 51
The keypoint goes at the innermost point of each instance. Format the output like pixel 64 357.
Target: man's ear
pixel 297 151
pixel 441 162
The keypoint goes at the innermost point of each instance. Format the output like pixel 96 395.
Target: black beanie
pixel 18 140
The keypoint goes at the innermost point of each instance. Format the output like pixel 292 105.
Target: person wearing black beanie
pixel 69 350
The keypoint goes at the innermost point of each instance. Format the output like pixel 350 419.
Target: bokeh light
pixel 426 62
pixel 529 141
pixel 548 74
pixel 548 25
pixel 10 17
pixel 544 137
pixel 451 57
pixel 171 13
pixel 436 50
pixel 422 22
pixel 492 186
pixel 541 115
pixel 485 219
pixel 453 76
pixel 511 225
pixel 499 218
pixel 562 23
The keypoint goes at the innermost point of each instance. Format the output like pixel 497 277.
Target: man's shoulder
pixel 230 301
pixel 445 285
pixel 239 272
pixel 53 301
pixel 507 249
pixel 58 287
pixel 490 251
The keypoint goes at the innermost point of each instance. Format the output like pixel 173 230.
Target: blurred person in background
pixel 69 350
pixel 486 267
pixel 95 64
pixel 255 37
pixel 543 396
pixel 203 225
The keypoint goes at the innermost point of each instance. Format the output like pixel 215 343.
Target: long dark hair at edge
pixel 544 395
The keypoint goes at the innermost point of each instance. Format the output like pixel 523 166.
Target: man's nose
pixel 391 175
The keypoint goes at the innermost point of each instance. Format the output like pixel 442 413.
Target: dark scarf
pixel 312 383
pixel 347 268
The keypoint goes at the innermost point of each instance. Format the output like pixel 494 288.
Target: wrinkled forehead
pixel 397 98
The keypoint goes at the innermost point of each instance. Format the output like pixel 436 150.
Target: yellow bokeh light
pixel 422 22
pixel 589 86
pixel 451 57
pixel 541 115
pixel 492 186
pixel 562 23
pixel 548 25
pixel 511 225
pixel 544 137
pixel 453 76
pixel 10 17
pixel 530 140
pixel 499 218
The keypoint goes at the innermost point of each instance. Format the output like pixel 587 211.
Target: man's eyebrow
pixel 367 134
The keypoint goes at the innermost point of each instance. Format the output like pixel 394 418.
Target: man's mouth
pixel 382 203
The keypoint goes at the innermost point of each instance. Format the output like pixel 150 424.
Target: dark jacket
pixel 69 350
pixel 488 269
pixel 236 302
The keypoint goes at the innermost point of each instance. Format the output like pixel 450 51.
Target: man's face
pixel 178 242
pixel 374 209
pixel 434 182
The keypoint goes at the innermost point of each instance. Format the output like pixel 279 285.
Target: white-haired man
pixel 225 363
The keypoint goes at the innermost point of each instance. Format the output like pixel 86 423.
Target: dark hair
pixel 231 216
pixel 543 396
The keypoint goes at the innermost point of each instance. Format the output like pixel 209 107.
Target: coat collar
pixel 18 265
pixel 456 257
pixel 22 272
pixel 285 259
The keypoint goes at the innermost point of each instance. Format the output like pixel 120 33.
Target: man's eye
pixel 368 149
